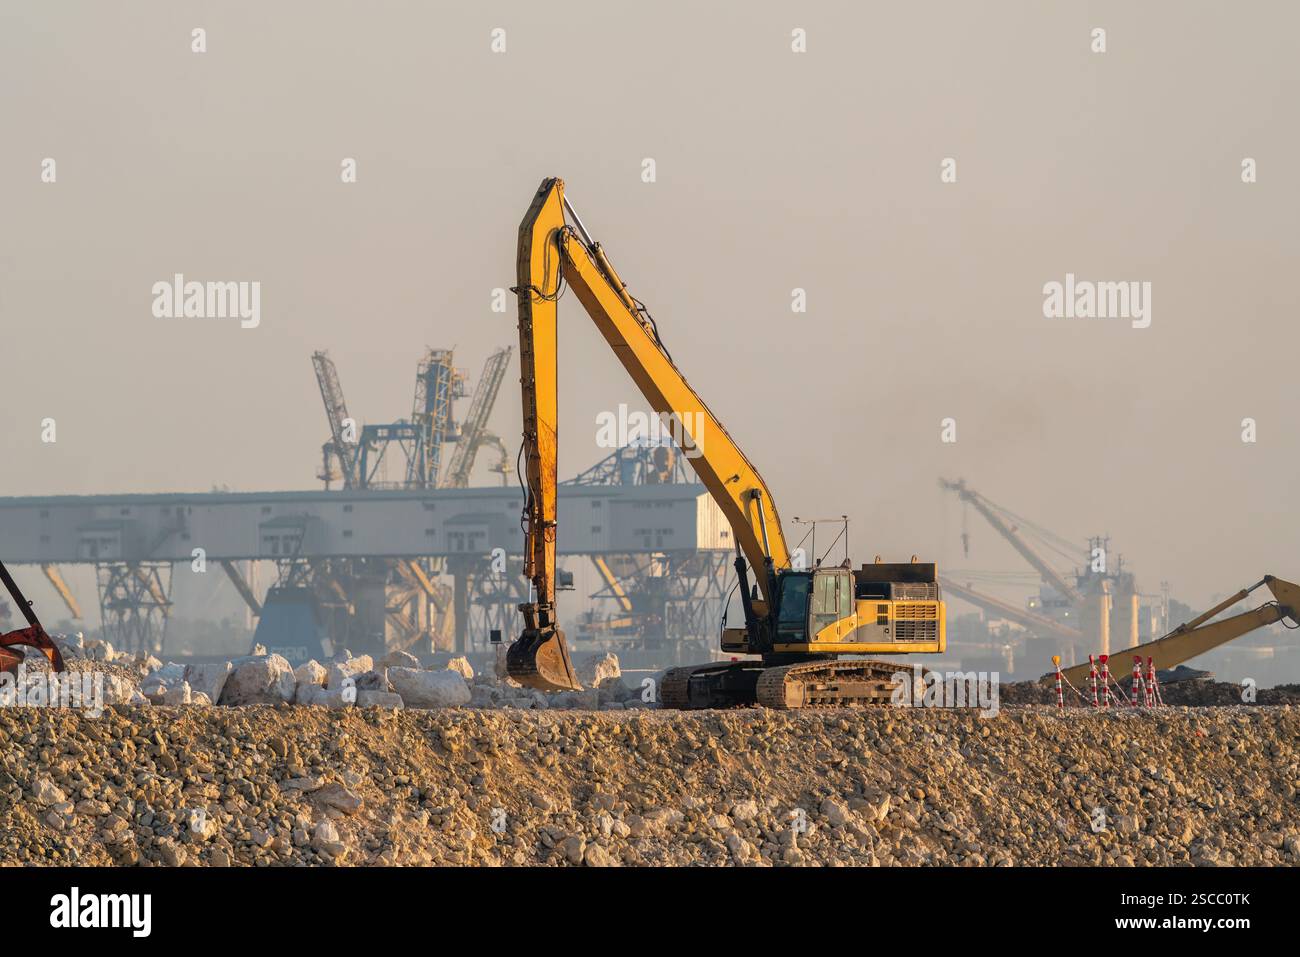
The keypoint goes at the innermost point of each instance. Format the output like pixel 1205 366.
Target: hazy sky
pixel 775 170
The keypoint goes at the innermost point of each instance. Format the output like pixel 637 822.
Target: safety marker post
pixel 1060 695
pixel 1153 684
pixel 1092 679
pixel 1105 680
pixel 1137 681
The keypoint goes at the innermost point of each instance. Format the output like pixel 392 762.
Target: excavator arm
pixel 555 250
pixel 1197 637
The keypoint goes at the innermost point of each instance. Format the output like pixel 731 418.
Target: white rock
pixel 399 659
pixel 353 668
pixel 308 676
pixel 485 696
pixel 177 695
pixel 155 685
pixel 460 664
pixel 597 669
pixel 259 679
pixel 208 679
pixel 310 672
pixel 325 833
pixel 98 649
pixel 429 689
pixel 120 690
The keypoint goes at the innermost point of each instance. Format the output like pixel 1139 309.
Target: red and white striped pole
pixel 1092 679
pixel 1137 681
pixel 1105 680
pixel 1060 696
pixel 1153 683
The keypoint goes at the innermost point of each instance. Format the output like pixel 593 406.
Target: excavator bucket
pixel 33 635
pixel 540 659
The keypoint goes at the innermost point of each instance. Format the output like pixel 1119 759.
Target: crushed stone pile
pixel 276 784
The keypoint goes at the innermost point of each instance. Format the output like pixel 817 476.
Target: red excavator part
pixel 33 635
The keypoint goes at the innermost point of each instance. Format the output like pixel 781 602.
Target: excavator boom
pixel 1197 637
pixel 553 251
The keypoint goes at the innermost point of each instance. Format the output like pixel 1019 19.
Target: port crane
pixel 798 622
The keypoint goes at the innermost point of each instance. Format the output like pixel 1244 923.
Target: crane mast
pixel 1016 540
pixel 473 432
pixel 338 449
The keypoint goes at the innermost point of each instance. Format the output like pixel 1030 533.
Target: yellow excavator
pixel 798 621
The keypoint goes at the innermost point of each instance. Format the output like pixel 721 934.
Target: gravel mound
pixel 308 785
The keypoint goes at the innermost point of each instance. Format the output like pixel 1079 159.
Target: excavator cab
pixel 814 606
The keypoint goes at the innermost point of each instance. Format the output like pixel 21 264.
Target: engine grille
pixel 916 621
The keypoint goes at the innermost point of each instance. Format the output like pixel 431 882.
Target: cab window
pixel 794 601
pixel 828 600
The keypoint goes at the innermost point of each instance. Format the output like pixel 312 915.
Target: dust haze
pixel 774 172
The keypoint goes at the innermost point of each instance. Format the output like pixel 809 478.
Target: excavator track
pixel 828 684
pixel 807 684
pixel 719 684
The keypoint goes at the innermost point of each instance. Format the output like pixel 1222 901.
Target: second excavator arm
pixel 1201 635
pixel 555 251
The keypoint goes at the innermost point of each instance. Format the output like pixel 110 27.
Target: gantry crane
pixel 437 385
pixel 473 432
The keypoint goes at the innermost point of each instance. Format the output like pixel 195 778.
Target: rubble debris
pixel 265 785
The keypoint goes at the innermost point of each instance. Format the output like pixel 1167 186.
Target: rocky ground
pixel 261 784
